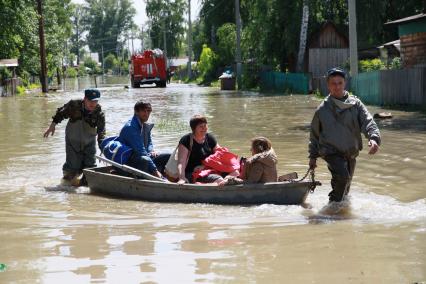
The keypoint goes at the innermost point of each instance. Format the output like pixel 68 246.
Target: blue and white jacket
pixel 137 136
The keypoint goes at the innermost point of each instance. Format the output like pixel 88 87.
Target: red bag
pixel 223 161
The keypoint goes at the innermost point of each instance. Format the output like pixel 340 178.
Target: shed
pixel 412 34
pixel 8 86
pixel 327 48
pixel 390 50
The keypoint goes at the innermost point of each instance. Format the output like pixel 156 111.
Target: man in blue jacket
pixel 136 134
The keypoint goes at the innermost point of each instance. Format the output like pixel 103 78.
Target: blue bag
pixel 116 151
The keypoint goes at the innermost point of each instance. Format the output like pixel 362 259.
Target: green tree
pixel 108 22
pixel 111 62
pixel 19 34
pixel 199 38
pixel 166 16
pixel 57 21
pixel 213 14
pixel 79 27
pixel 226 44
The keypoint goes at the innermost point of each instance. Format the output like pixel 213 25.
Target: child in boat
pixel 261 167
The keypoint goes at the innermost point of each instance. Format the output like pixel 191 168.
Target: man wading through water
pixel 86 120
pixel 336 134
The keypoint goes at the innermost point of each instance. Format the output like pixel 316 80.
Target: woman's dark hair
pixel 141 105
pixel 196 120
pixel 260 144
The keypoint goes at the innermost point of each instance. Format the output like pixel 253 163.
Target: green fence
pixel 366 86
pixel 296 83
pixel 391 87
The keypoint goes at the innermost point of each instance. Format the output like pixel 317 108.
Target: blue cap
pixel 336 72
pixel 92 94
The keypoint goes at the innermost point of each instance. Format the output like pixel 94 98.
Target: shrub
pixel 207 64
pixel 395 63
pixel 20 90
pixel 70 72
pixel 371 65
pixel 82 71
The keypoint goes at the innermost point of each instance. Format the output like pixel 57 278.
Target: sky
pixel 141 18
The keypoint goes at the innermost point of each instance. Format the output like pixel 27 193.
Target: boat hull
pixel 102 182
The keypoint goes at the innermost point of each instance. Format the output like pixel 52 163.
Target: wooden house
pixel 327 48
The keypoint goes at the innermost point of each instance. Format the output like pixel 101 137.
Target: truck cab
pixel 148 67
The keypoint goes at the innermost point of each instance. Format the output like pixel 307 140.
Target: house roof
pixel 407 19
pixel 8 62
pixel 317 33
pixel 396 43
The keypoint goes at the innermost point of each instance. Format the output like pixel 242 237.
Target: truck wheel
pixel 134 84
pixel 162 84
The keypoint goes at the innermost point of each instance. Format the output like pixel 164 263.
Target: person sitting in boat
pixel 193 148
pixel 261 167
pixel 136 134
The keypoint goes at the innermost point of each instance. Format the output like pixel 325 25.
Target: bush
pixel 20 90
pixel 71 72
pixel 396 63
pixel 82 71
pixel 5 73
pixel 111 62
pixel 90 63
pixel 250 77
pixel 207 65
pixel 371 65
pixel 226 45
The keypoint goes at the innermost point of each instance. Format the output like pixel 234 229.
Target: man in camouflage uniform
pixel 86 120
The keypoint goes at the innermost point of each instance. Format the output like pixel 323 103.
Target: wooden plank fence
pixel 391 87
pixel 8 87
pixel 320 61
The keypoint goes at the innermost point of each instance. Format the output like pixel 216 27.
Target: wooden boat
pixel 102 181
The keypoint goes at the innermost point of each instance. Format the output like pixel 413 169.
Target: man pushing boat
pixel 336 134
pixel 86 121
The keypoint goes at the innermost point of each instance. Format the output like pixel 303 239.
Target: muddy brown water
pixel 56 234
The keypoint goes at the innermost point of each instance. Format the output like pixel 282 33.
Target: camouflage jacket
pixel 74 110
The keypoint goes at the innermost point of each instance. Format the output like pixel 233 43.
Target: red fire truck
pixel 148 67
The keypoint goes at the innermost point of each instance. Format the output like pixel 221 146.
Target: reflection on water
pixel 51 233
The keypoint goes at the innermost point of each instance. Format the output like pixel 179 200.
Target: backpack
pixel 116 151
pixel 171 168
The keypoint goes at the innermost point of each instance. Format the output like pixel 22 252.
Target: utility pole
pixel 213 37
pixel 133 48
pixel 142 39
pixel 189 40
pixel 238 50
pixel 103 62
pixel 77 27
pixel 353 44
pixel 164 35
pixel 43 69
pixel 303 35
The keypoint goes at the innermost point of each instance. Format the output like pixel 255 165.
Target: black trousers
pixel 342 170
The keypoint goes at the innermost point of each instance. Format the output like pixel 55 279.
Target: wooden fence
pixel 391 87
pixel 296 83
pixel 8 87
pixel 320 61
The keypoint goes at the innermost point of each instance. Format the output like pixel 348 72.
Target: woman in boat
pixel 193 148
pixel 261 167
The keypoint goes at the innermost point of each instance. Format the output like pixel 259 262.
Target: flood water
pixel 56 234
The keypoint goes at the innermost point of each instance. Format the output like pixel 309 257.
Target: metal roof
pixel 407 19
pixel 8 62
